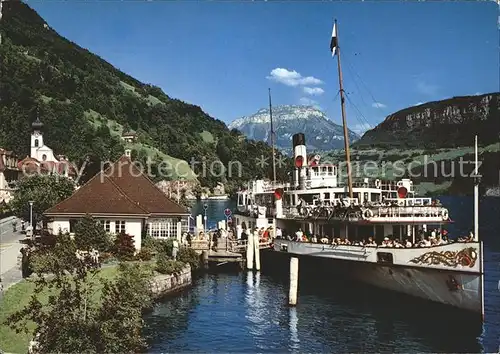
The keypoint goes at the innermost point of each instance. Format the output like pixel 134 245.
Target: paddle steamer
pixel 318 202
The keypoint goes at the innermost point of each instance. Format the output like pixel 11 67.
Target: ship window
pixel 396 231
pixel 385 257
pixel 327 196
pixel 36 142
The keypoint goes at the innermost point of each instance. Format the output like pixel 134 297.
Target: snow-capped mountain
pixel 321 133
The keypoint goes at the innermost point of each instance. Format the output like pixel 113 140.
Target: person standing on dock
pixel 175 248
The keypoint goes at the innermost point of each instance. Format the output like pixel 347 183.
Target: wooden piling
pixel 294 280
pixel 250 251
pixel 257 253
pixel 204 256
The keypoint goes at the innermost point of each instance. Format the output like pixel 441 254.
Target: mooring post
pixel 250 250
pixel 294 280
pixel 204 256
pixel 256 247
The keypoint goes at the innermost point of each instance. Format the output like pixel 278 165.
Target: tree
pixel 89 234
pixel 76 321
pixel 44 191
pixel 124 246
pixel 120 316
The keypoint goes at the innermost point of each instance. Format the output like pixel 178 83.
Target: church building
pixel 42 158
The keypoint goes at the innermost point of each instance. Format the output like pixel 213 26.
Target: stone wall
pixel 165 284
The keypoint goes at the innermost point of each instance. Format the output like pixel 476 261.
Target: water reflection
pixel 294 334
pixel 249 313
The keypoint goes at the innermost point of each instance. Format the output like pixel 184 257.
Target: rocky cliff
pixel 442 124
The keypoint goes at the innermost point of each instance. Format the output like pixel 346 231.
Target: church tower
pixel 36 137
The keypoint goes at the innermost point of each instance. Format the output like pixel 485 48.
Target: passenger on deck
pixel 314 239
pixel 324 240
pixel 424 243
pixel 298 235
pixel 371 242
pixel 397 244
pixel 386 242
pixel 408 243
pixel 279 234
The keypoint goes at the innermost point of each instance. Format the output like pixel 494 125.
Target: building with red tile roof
pixel 124 199
pixel 42 158
pixel 9 172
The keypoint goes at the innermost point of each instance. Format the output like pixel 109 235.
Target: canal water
pixel 247 312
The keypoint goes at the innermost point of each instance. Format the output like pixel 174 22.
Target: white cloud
pixel 418 104
pixel 360 129
pixel 306 101
pixel 292 78
pixel 313 91
pixel 378 105
pixel 478 94
pixel 427 88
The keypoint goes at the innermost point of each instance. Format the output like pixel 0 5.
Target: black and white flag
pixel 333 42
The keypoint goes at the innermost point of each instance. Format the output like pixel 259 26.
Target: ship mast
pixel 272 138
pixel 1 1
pixel 476 193
pixel 334 47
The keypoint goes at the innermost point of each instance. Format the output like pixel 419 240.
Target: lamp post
pixel 205 207
pixel 31 215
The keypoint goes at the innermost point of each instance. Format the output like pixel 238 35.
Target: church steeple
pixel 37 125
pixel 36 136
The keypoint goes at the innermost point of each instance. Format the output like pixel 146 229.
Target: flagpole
pixel 1 4
pixel 342 105
pixel 272 137
pixel 476 192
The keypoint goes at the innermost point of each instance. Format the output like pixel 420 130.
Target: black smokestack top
pixel 299 139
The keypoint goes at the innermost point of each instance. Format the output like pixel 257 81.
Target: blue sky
pixel 221 55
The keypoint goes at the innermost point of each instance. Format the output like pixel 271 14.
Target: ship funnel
pixel 300 158
pixel 299 150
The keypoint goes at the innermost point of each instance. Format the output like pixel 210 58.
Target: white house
pixel 125 200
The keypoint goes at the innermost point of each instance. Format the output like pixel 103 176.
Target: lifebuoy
pixel 367 214
pixel 444 214
pixel 377 183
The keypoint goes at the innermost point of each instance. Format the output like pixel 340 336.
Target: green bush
pixel 165 265
pixel 145 254
pixel 89 234
pixel 124 248
pixel 157 245
pixel 189 256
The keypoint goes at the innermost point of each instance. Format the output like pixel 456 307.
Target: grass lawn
pixel 17 297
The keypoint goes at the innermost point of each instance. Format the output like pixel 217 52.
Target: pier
pixel 228 251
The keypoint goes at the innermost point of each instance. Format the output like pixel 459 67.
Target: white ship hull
pixel 420 272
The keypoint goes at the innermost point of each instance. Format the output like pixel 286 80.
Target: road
pixel 10 247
